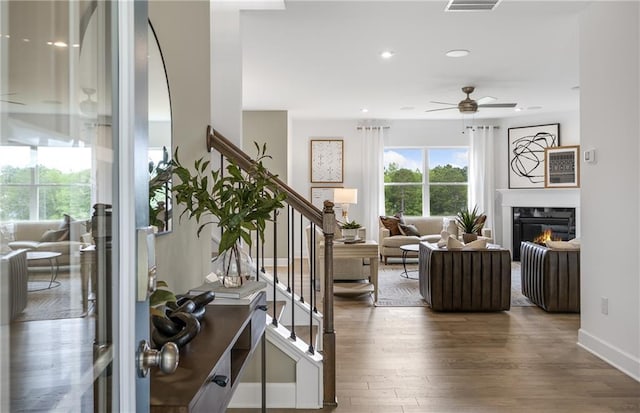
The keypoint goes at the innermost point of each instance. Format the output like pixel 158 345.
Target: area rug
pixel 61 301
pixel 395 290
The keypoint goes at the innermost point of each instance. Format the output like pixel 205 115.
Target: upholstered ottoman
pixel 551 277
pixel 465 280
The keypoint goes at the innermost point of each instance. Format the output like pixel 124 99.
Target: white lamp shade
pixel 345 196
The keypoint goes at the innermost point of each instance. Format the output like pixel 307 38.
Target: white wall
pixel 610 109
pixel 182 257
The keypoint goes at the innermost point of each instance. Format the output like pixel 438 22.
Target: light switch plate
pixel 589 156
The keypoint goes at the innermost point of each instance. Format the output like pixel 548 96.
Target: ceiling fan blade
pixel 498 105
pixel 11 101
pixel 435 110
pixel 444 103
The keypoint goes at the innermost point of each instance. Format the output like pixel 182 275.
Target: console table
pixel 211 365
pixel 366 249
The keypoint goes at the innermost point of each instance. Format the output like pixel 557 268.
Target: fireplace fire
pixel 547 235
pixel 530 222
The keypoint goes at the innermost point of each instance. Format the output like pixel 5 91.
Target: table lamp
pixel 345 196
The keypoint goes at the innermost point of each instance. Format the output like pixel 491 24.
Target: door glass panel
pixel 57 178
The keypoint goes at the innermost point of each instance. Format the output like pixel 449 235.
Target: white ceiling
pixel 321 59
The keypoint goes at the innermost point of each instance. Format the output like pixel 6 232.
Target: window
pixel 443 191
pixel 39 183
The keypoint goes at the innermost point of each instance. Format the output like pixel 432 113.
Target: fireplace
pixel 530 222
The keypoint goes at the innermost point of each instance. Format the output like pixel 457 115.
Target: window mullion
pixel 426 197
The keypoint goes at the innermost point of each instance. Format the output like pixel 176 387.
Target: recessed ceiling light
pixel 457 53
pixel 7 36
pixel 76 45
pixel 575 88
pixel 364 110
pixel 518 109
pixel 26 40
pixel 534 107
pixel 387 54
pixel 60 44
pixel 50 43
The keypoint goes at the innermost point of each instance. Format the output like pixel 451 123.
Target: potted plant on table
pixel 239 201
pixel 350 230
pixel 467 221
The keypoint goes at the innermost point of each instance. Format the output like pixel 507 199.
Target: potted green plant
pixel 238 201
pixel 467 221
pixel 350 230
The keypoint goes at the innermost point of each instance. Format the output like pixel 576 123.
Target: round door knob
pixel 166 359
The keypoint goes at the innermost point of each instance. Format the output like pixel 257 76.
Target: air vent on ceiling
pixel 472 5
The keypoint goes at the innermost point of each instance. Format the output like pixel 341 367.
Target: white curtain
pixel 481 172
pixel 372 177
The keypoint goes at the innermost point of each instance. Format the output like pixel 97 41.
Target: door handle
pixel 167 358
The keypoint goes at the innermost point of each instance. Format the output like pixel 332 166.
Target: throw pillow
pixel 410 230
pixel 562 245
pixel 391 223
pixel 53 235
pixel 479 244
pixel 479 223
pixel 66 226
pixel 454 244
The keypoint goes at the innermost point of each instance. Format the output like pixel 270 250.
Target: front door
pixel 72 191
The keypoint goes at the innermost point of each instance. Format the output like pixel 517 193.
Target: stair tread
pixel 304 333
pixel 279 305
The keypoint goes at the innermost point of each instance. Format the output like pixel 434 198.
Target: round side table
pixel 406 249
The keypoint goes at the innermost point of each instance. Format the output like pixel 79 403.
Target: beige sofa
pixel 28 235
pixel 428 227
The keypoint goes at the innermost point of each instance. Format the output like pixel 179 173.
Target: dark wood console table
pixel 229 335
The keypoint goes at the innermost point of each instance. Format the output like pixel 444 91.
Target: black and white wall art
pixel 526 154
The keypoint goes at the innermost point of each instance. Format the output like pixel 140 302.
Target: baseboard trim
pixel 625 362
pixel 279 395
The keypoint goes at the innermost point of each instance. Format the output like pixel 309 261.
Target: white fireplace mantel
pixel 544 197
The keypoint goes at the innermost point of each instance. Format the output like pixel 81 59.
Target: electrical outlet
pixel 604 305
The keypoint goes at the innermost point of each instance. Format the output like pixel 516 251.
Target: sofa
pixel 429 229
pixel 551 277
pixel 465 280
pixel 13 284
pixel 49 235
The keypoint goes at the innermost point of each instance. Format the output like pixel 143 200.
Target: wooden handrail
pixel 324 219
pixel 223 145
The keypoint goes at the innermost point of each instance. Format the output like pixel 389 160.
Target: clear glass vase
pixel 233 267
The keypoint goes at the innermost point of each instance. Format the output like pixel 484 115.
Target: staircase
pixel 303 353
pixel 300 341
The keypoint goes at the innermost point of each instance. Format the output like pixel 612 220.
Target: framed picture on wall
pixel 327 162
pixel 562 167
pixel 319 194
pixel 526 154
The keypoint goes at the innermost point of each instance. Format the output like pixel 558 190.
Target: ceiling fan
pixel 469 105
pixel 10 101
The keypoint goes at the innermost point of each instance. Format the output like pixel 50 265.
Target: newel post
pixel 328 335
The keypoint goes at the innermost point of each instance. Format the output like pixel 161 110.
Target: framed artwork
pixel 319 194
pixel 562 167
pixel 526 154
pixel 327 161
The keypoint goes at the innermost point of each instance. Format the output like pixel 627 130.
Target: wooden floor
pixel 403 359
pixel 409 359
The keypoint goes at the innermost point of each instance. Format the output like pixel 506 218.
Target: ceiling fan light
pixel 486 99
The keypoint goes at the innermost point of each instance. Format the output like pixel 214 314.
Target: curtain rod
pixel 372 127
